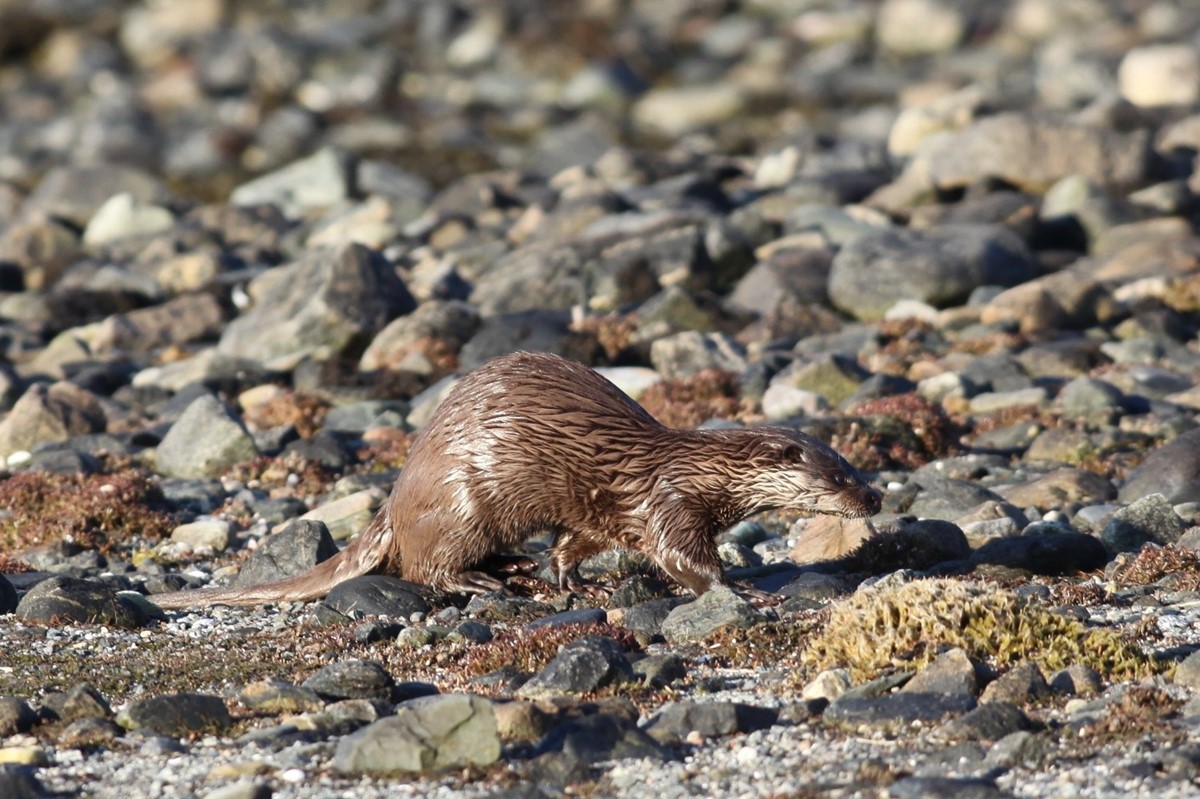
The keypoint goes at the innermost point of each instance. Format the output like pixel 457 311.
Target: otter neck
pixel 715 472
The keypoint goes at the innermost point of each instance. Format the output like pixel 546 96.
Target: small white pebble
pixel 293 775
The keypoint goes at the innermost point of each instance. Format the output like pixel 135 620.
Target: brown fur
pixel 533 442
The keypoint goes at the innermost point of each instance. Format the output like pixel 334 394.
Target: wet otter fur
pixel 532 442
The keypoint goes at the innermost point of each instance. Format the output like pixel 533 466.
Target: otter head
pixel 795 470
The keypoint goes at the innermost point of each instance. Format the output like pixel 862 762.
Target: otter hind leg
pixel 472 582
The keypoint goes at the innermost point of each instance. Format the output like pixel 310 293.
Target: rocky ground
pixel 246 247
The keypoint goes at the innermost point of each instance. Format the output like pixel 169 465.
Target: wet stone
pixel 1048 553
pixel 16 716
pixel 601 736
pixel 428 733
pixel 178 715
pixel 351 679
pixel 294 550
pixel 677 721
pixel 990 721
pixel 1021 685
pixel 79 701
pixel 648 617
pixel 59 599
pixel 1150 519
pixel 377 595
pixel 715 610
pixel 276 696
pixel 8 596
pixel 582 666
pixel 897 709
pixel 951 673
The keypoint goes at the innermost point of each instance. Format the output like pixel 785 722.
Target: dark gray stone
pixel 581 666
pixel 205 441
pixel 946 788
pixel 432 732
pixel 940 266
pixel 714 610
pixel 897 709
pixel 8 596
pixel 60 599
pixel 1150 519
pixel 581 616
pixel 949 499
pixel 19 782
pixel 1021 685
pixel 951 672
pixel 990 721
pixel 601 736
pixel 661 669
pixel 79 701
pixel 1049 553
pixel 377 595
pixel 648 617
pixel 351 679
pixel 1172 470
pixel 179 715
pixel 324 303
pixel 16 716
pixel 675 721
pixel 293 550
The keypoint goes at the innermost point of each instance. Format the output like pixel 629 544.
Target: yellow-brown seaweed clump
pixel 906 626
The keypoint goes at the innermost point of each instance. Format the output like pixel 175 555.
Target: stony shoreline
pixel 245 249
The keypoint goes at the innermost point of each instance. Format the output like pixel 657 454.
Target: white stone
pixel 122 216
pixel 1161 74
pixel 919 27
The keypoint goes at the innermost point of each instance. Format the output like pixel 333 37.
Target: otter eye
pixel 792 453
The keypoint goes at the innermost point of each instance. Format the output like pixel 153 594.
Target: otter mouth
pixel 865 503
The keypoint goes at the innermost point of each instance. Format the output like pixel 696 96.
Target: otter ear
pixel 793 453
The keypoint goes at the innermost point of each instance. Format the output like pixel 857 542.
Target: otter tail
pixel 364 555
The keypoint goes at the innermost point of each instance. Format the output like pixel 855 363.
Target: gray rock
pixel 326 302
pixel 351 679
pixel 1021 685
pixel 1150 519
pixel 294 550
pixel 1187 673
pixel 313 183
pixel 660 670
pixel 75 193
pixel 684 354
pixel 991 721
pixel 1078 679
pixel 50 413
pixel 1032 152
pixel 178 715
pixel 898 709
pixel 648 617
pixel 1017 748
pixel 952 672
pixel 676 721
pixel 948 498
pixel 940 266
pixel 89 732
pixel 276 696
pixel 19 782
pixel 80 701
pixel 1048 553
pixel 205 441
pixel 582 616
pixel 582 666
pixel 601 736
pixel 1172 470
pixel 714 610
pixel 16 716
pixel 377 595
pixel 946 788
pixel 59 599
pixel 540 331
pixel 428 733
pixel 1089 399
pixel 410 342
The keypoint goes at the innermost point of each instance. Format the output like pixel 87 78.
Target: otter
pixel 531 443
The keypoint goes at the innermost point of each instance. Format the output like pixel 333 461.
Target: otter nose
pixel 872 500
